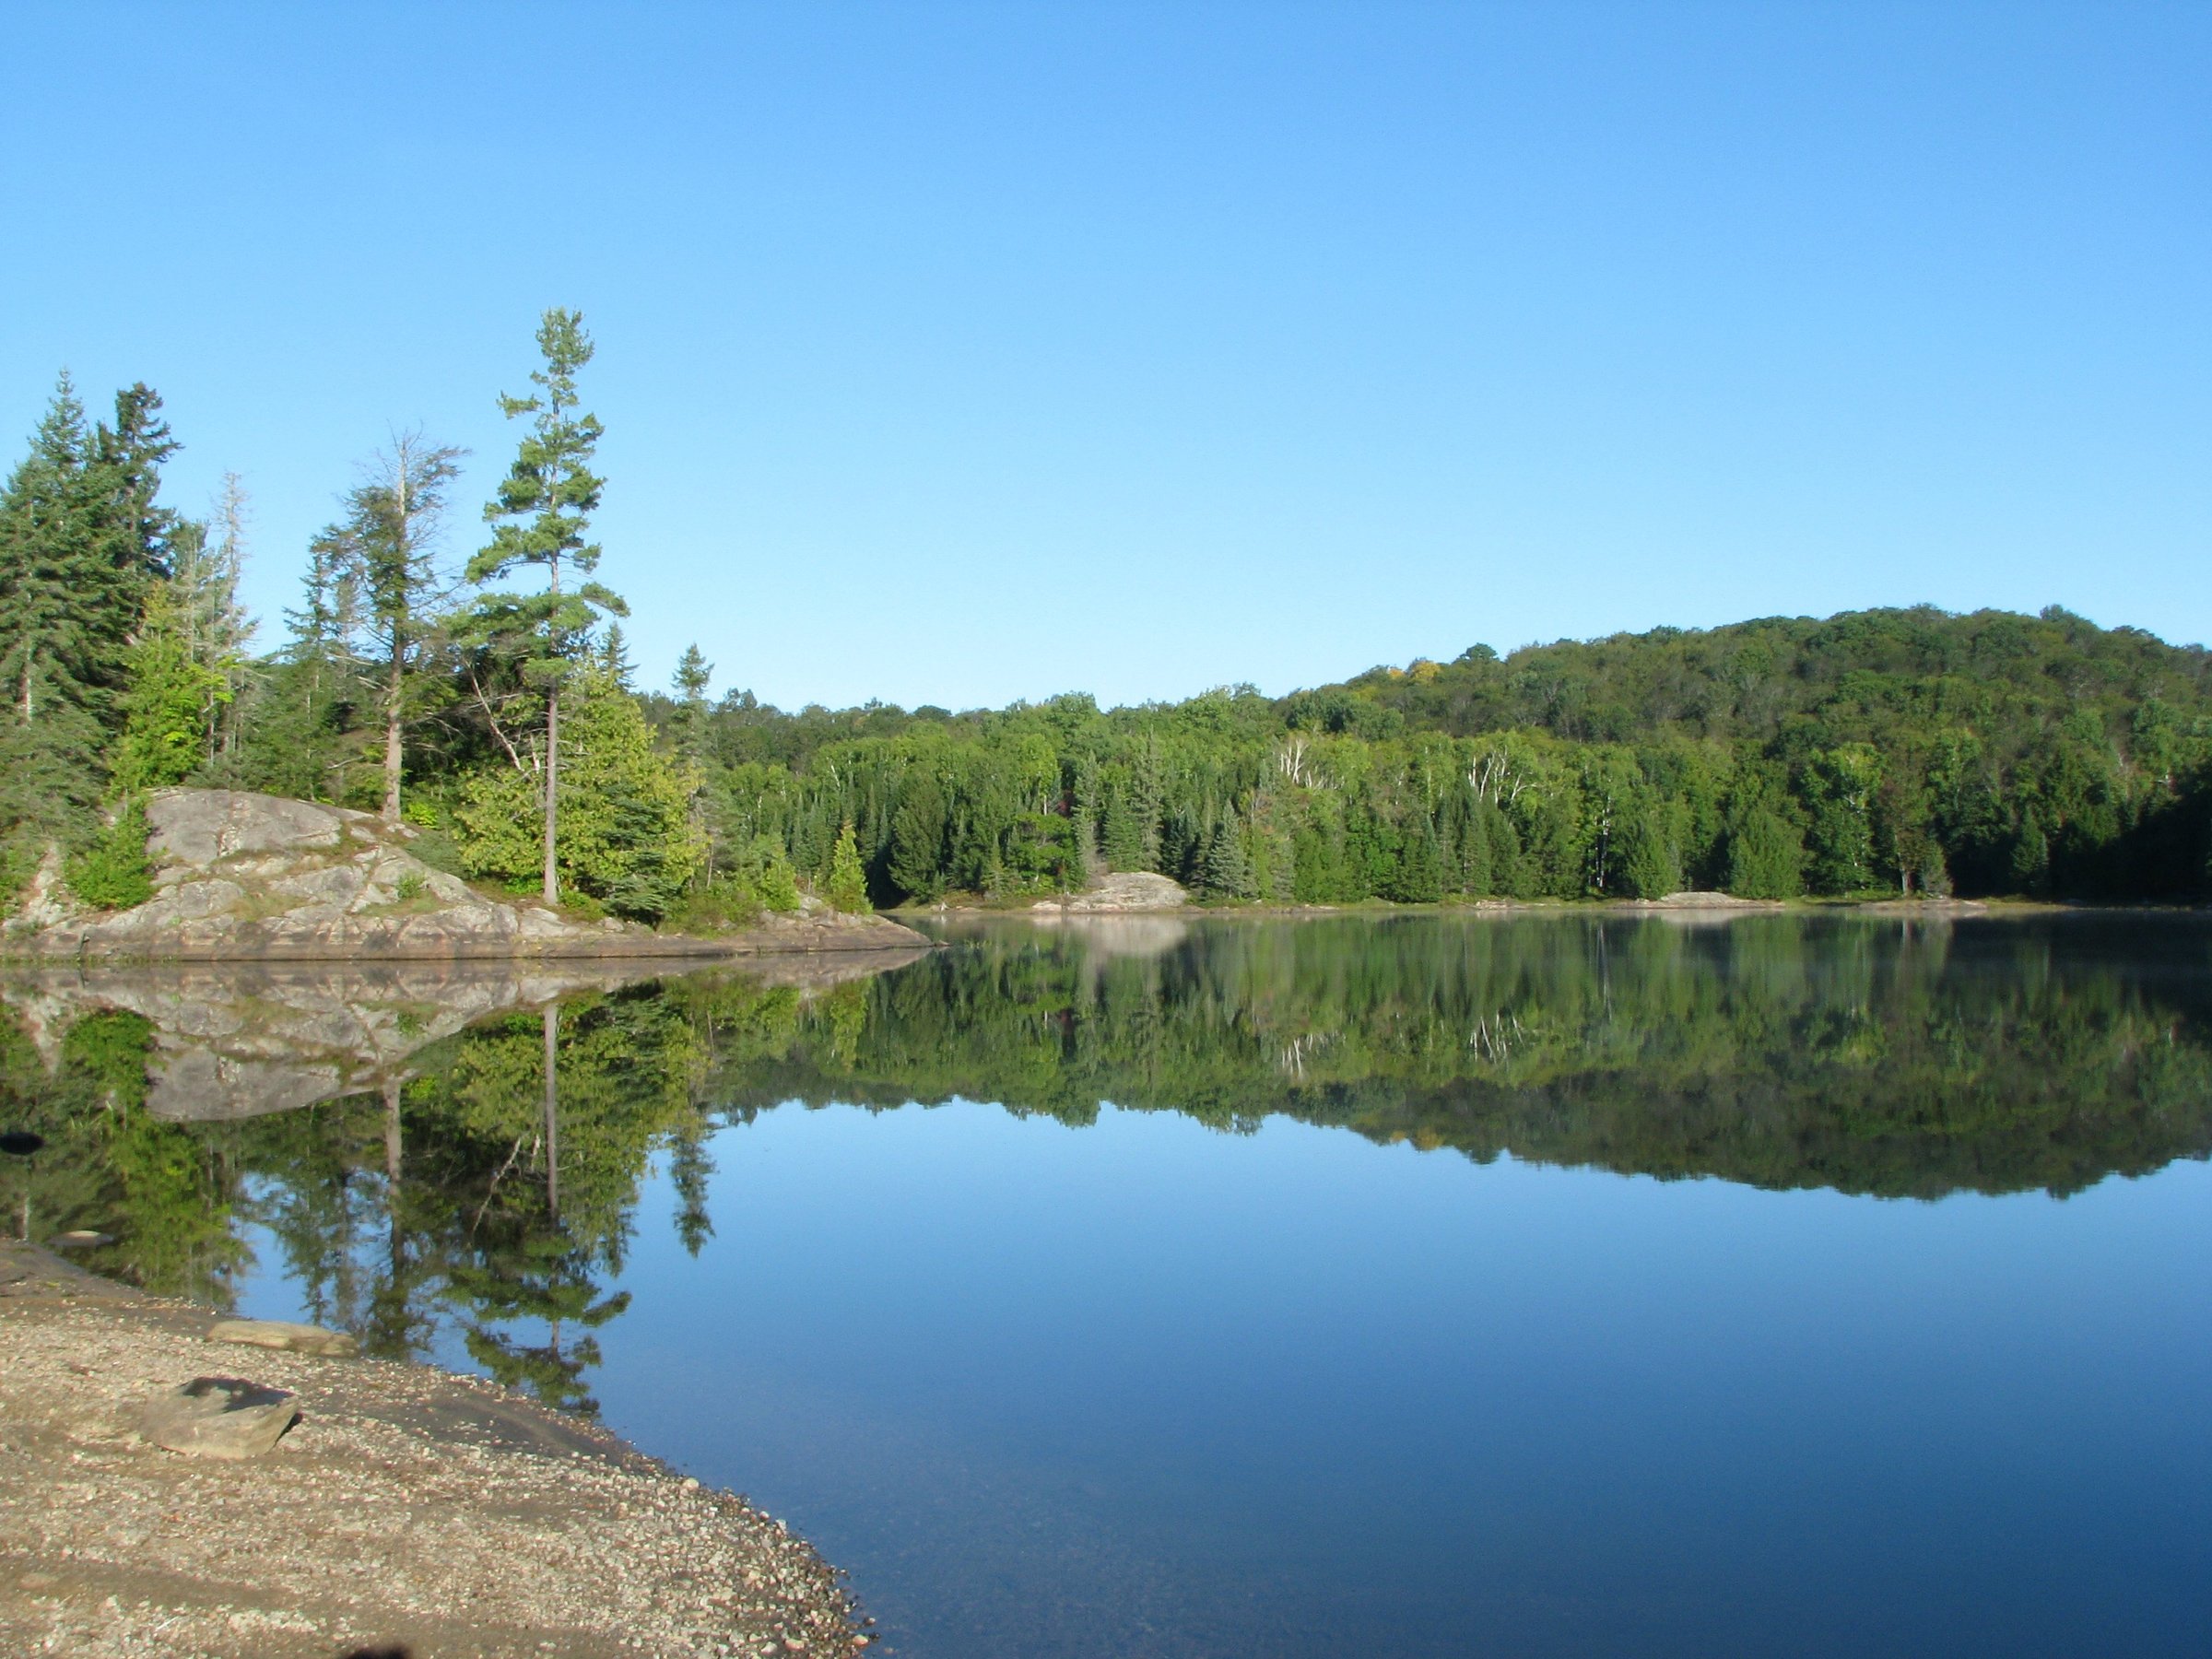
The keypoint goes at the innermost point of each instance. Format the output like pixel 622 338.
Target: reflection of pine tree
pixel 690 1167
pixel 541 1276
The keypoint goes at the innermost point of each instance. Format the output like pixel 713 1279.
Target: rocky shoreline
pixel 240 877
pixel 405 1509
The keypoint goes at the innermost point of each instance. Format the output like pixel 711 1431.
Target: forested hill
pixel 1868 674
pixel 1873 751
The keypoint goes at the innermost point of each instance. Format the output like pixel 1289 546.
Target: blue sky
pixel 957 354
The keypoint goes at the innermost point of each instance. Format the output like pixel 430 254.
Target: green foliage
pixel 166 705
pixel 777 883
pixel 113 872
pixel 627 840
pixel 845 884
pixel 714 906
pixel 541 517
pixel 1766 858
pixel 381 552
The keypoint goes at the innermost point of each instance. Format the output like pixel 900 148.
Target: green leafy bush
pixel 113 872
pixel 722 904
pixel 625 841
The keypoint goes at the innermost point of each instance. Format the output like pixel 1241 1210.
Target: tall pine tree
pixel 542 511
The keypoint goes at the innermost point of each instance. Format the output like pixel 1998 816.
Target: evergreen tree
pixel 1766 858
pixel 1147 793
pixel 2031 855
pixel 1477 868
pixel 82 542
pixel 917 850
pixel 846 886
pixel 51 639
pixel 615 658
pixel 1651 861
pixel 1227 871
pixel 1419 877
pixel 694 674
pixel 1124 846
pixel 543 509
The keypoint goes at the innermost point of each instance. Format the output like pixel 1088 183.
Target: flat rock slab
pixel 283 1334
pixel 218 1417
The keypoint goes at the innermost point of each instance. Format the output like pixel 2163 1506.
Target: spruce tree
pixel 847 887
pixel 694 674
pixel 542 511
pixel 1227 871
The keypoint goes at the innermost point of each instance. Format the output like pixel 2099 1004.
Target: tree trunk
pixel 552 1020
pixel 552 880
pixel 394 1146
pixel 392 734
pixel 552 876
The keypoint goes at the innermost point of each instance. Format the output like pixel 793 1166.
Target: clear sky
pixel 956 354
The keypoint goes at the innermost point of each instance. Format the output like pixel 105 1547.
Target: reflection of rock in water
pixel 1109 935
pixel 240 1042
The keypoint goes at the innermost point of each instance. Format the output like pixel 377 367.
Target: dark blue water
pixel 1069 1380
pixel 1145 1388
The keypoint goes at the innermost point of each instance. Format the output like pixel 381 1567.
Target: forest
pixel 1876 753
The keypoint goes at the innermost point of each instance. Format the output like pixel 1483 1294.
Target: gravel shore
pixel 407 1509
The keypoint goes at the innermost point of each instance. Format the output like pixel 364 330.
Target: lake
pixel 1417 1285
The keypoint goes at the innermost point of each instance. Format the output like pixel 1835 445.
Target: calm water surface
pixel 1427 1286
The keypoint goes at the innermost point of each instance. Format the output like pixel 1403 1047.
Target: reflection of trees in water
pixel 495 1191
pixel 1786 1051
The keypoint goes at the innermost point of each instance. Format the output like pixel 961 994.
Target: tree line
pixel 1878 752
pixel 1874 753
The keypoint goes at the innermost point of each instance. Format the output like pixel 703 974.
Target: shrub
pixel 626 842
pixel 113 872
pixel 724 902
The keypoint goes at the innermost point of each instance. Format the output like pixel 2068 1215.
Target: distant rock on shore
pixel 1125 892
pixel 238 875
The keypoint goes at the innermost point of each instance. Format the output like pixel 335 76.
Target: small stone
pixel 218 1417
pixel 690 1484
pixel 80 1237
pixel 38 1581
pixel 283 1334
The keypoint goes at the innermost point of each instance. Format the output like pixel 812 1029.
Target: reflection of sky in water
pixel 1145 1388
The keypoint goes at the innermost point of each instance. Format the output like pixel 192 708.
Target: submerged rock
pixel 218 1417
pixel 284 1334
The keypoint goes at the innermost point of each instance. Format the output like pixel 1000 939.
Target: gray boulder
pixel 218 1417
